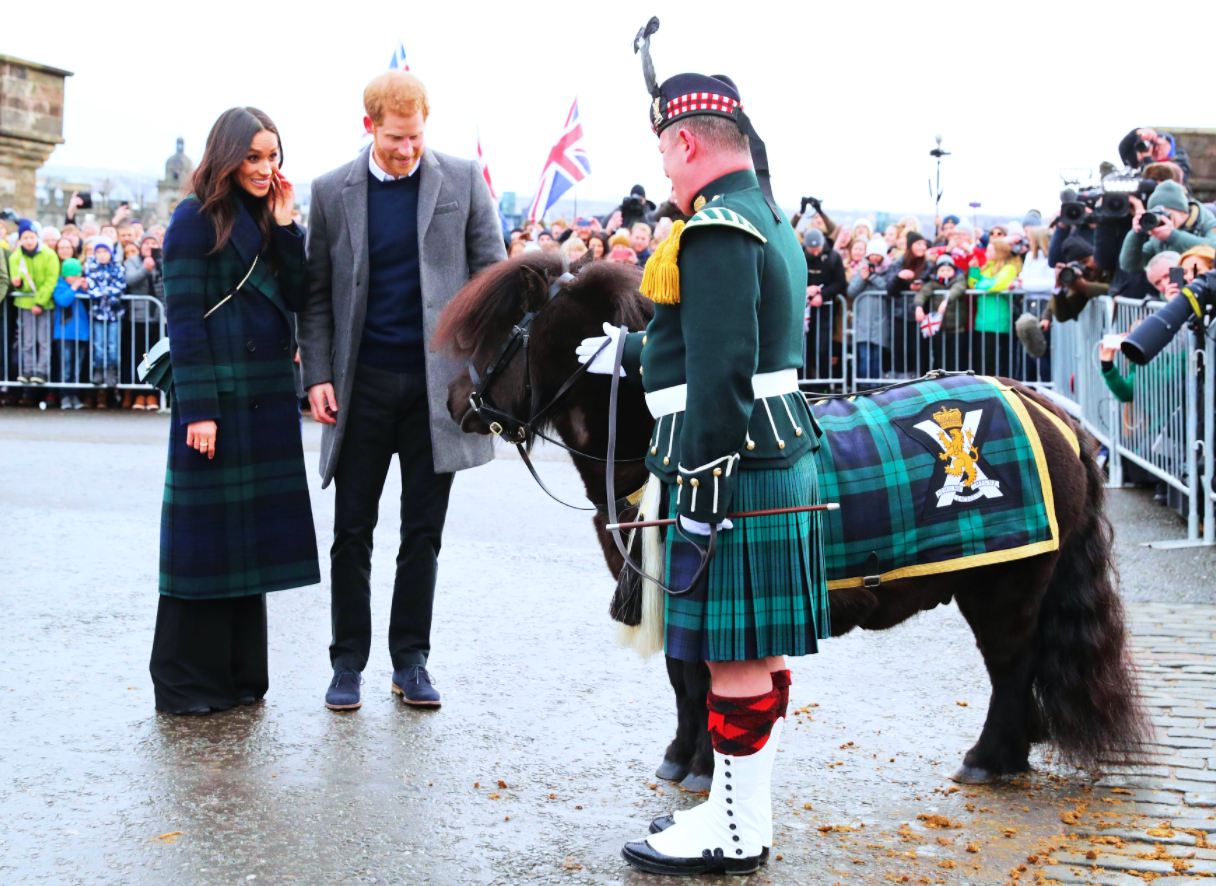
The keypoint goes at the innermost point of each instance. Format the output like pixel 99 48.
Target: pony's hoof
pixel 973 775
pixel 696 784
pixel 671 771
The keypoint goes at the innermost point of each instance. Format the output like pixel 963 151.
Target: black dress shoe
pixel 663 822
pixel 191 712
pixel 645 858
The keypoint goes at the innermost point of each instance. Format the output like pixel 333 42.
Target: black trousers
pixel 209 653
pixel 388 413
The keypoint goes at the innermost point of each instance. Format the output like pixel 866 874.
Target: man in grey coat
pixel 392 236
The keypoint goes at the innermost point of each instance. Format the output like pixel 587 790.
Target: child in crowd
pixel 107 283
pixel 71 327
pixel 33 270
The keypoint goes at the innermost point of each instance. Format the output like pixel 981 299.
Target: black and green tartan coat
pixel 738 313
pixel 240 523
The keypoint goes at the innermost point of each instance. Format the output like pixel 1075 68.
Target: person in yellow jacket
pixel 33 272
pixel 992 346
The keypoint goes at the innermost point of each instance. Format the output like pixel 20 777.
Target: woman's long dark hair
pixel 214 180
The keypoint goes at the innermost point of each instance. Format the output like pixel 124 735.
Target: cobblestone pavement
pixel 540 763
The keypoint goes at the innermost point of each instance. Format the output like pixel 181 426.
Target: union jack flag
pixel 399 62
pixel 566 166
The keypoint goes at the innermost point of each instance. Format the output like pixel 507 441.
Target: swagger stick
pixel 642 524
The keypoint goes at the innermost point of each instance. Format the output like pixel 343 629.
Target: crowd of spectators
pixel 70 319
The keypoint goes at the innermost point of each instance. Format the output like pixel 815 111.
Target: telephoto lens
pixel 1156 330
pixel 1150 220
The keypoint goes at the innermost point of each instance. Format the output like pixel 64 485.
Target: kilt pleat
pixel 766 590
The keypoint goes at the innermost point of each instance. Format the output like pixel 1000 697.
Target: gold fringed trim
pixel 661 279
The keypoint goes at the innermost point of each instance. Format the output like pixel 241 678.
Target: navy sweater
pixel 392 330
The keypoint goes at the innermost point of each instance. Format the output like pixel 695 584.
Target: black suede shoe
pixel 343 693
pixel 663 822
pixel 416 687
pixel 645 858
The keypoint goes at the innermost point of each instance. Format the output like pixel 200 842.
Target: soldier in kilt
pixel 236 521
pixel 719 363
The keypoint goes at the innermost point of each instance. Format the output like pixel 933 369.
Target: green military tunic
pixel 719 364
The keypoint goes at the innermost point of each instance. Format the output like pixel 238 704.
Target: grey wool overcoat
pixel 458 235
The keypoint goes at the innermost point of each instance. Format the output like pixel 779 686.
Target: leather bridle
pixel 516 430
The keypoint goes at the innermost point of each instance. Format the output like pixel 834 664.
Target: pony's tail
pixel 1084 682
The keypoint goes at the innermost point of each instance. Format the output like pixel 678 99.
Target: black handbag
pixel 156 368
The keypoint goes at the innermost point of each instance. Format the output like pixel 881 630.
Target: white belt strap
pixel 766 384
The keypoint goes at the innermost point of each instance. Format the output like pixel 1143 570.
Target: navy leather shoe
pixel 415 686
pixel 343 692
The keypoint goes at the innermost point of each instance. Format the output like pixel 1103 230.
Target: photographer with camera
pixel 1171 221
pixel 1145 145
pixel 633 209
pixel 825 280
pixel 1078 279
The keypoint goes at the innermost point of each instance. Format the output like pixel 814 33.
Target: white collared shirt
pixel 384 176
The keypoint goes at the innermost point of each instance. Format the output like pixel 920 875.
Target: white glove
pixel 702 528
pixel 604 361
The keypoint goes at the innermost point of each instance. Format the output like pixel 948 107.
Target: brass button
pixel 654 450
pixel 666 461
pixel 751 444
pixel 797 432
pixel 717 472
pixel 641 369
pixel 679 481
pixel 643 340
pixel 695 482
pixel 780 444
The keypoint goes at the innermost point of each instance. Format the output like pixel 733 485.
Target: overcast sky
pixel 847 96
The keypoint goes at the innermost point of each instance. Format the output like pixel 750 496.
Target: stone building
pixel 169 189
pixel 31 124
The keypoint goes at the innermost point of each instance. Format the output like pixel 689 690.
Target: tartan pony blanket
pixel 942 474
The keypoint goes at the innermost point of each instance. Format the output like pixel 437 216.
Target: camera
pixel 1196 303
pixel 1071 273
pixel 1074 203
pixel 810 201
pixel 1117 189
pixel 1150 220
pixel 634 203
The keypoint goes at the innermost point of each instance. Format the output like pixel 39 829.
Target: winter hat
pixel 24 225
pixel 104 243
pixel 945 259
pixel 813 238
pixel 877 246
pixel 951 219
pixel 1169 195
pixel 1076 249
pixel 70 268
pixel 1015 228
pixel 148 237
pixel 913 236
pixel 964 228
pixel 51 234
pixel 620 238
pixel 1032 219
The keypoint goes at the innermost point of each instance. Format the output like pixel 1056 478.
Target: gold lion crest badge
pixel 956 435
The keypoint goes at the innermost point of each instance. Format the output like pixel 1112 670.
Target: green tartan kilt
pixel 766 589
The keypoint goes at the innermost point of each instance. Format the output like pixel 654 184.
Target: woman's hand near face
pixel 282 198
pixel 200 435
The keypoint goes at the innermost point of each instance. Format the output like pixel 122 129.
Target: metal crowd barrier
pixel 870 340
pixel 88 363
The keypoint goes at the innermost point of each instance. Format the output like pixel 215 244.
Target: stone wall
pixel 1200 145
pixel 31 124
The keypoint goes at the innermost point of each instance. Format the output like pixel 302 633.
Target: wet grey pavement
pixel 540 763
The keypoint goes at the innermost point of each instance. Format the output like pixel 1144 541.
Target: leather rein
pixel 515 430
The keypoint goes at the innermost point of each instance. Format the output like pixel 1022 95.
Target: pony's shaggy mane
pixel 491 303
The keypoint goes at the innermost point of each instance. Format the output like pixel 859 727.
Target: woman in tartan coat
pixel 236 520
